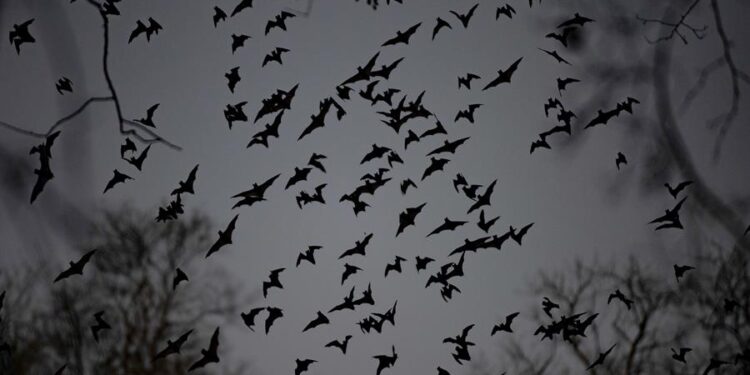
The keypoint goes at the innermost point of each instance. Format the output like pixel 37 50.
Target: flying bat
pixel 179 277
pixel 173 347
pixel 275 55
pixel 466 17
pixel 466 80
pixel 76 268
pixel 621 159
pixel 402 36
pixel 219 15
pixel 186 187
pixel 348 271
pixel 506 10
pixel 279 21
pixel 503 76
pixel 577 20
pixel 209 355
pixel 395 266
pixel 674 192
pixel 555 55
pixel 320 319
pixel 141 28
pixel 44 172
pixel 117 178
pixel 483 199
pixel 484 224
pixel 435 165
pixel 447 225
pixel 100 325
pixel 341 345
pixel 467 114
pixel 243 4
pixel 273 281
pixel 225 237
pixel 439 24
pixel 249 317
pixel 422 262
pixel 449 147
pixel 21 35
pixel 308 255
pixel 64 84
pixel 149 119
pixel 274 313
pixel 238 41
pixel 505 326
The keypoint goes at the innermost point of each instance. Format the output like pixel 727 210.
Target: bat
pixel 149 119
pixel 279 21
pixel 466 17
pixel 447 225
pixel 275 55
pixel 173 347
pixel 179 277
pixel 64 84
pixel 320 319
pixel 187 186
pixel 249 317
pixel 117 178
pixel 238 41
pixel 233 77
pixel 439 24
pixel 555 55
pixel 219 15
pixel 503 76
pixel 225 237
pixel 21 35
pixel 449 147
pixel 467 114
pixel 435 165
pixel 402 36
pixel 209 355
pixel 76 268
pixel 466 80
pixel 44 172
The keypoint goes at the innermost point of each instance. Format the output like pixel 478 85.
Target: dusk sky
pixel 580 204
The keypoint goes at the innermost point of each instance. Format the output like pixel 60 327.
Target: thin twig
pixel 698 32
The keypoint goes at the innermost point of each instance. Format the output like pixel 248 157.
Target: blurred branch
pixel 698 32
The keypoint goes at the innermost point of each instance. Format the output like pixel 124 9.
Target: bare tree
pixel 130 278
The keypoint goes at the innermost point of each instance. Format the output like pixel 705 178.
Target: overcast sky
pixel 567 194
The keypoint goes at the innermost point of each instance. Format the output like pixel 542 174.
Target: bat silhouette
pixel 108 8
pixel 128 146
pixel 364 73
pixel 117 178
pixel 61 369
pixel 273 281
pixel 627 105
pixel 366 298
pixel 343 92
pixel 76 268
pixel 64 84
pixel 621 159
pixel 435 165
pixel 225 237
pixel 555 55
pixel 562 84
pixel 470 245
pixel 308 255
pixel 255 194
pixel 405 184
pixel 319 320
pixel 562 37
pixel 300 174
pixel 422 262
pixel 505 326
pixel 234 113
pixel 395 266
pixel 376 152
pixel 484 224
pixel 386 361
pixel 279 21
pixel 714 364
pixel 341 345
pixel 394 158
pixel 348 303
pixel 466 17
pixel 674 192
pixel 179 277
pixel 172 211
pixel 507 10
pixel 467 114
pixel 411 137
pixel 44 172
pixel 402 36
pixel 600 359
pixel 141 28
pixel 503 76
pixel 99 325
pixel 302 365
pixel 274 313
pixel 270 130
pixel 137 162
pixel 671 217
pixel 149 119
pixel 407 217
pixel 466 80
pixel 209 355
pixel 483 199
pixel 173 347
pixel 518 236
pixel 449 147
pixel 359 247
pixel 304 198
pixel 602 118
pixel 219 15
pixel 186 187
pixel 447 225
pixel 680 357
pixel 238 41
pixel 315 161
pixel 243 4
pixel 249 317
pixel 471 191
pixel 577 20
pixel 348 271
pixel 439 25
pixel 21 35
pixel 386 70
pixel 617 294
pixel 459 181
pixel 539 143
pixel 233 77
pixel 275 55
pixel 548 306
pixel 462 344
pixel 679 271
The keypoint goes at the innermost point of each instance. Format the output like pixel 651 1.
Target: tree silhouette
pixel 130 278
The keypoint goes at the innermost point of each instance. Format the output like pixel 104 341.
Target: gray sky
pixel 568 194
